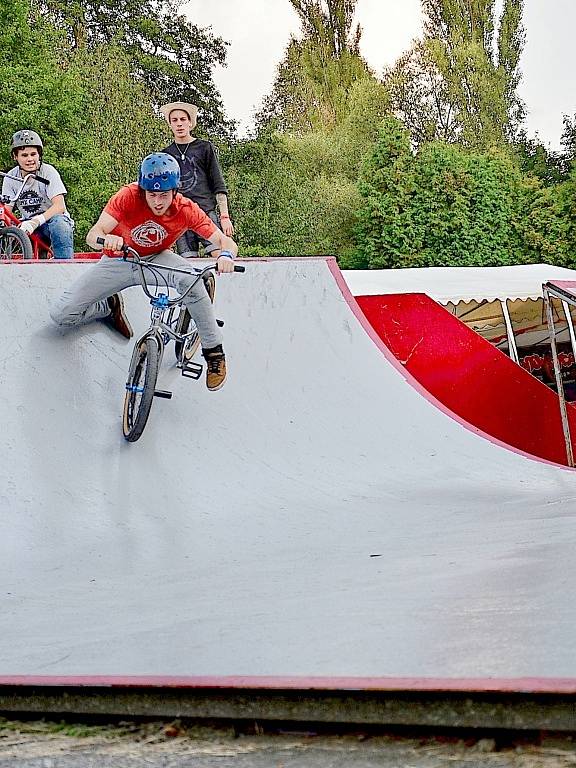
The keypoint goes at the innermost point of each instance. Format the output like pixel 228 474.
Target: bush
pixel 443 206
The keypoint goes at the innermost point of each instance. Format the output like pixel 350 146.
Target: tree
pixel 53 103
pixel 125 136
pixel 42 101
pixel 443 206
pixel 288 197
pixel 314 79
pixel 419 97
pixel 465 75
pixel 170 56
pixel 569 138
pixel 510 44
pixel 382 235
pixel 552 222
pixel 536 160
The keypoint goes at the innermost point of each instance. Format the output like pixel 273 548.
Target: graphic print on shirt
pixel 188 175
pixel 150 234
pixel 30 203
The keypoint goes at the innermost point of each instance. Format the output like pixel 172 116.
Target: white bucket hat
pixel 190 109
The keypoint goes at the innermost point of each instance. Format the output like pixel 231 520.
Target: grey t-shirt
pixel 36 196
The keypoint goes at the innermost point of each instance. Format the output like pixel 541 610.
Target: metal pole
pixel 558 376
pixel 510 332
pixel 566 308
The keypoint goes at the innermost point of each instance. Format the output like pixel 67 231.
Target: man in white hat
pixel 201 176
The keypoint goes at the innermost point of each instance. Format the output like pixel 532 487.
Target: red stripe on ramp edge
pixel 533 685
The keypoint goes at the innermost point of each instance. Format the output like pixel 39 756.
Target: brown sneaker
pixel 117 316
pixel 215 367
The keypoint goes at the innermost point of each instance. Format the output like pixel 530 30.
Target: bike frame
pixel 148 350
pixel 160 330
pixel 9 219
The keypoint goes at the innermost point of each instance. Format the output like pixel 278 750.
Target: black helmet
pixel 26 139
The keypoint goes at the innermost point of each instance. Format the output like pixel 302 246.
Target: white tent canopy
pixel 455 284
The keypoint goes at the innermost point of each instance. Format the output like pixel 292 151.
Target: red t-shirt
pixel 149 234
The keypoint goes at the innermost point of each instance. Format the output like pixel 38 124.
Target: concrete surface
pixel 316 518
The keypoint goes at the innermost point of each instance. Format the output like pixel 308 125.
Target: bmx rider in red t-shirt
pixel 149 216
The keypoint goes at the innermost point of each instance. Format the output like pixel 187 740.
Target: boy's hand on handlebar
pixel 225 264
pixel 113 244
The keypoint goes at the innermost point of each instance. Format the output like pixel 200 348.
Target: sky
pixel 259 30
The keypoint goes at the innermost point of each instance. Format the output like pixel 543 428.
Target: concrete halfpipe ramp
pixel 318 520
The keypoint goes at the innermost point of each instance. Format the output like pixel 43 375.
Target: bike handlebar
pixel 137 259
pixel 41 179
pixel 23 181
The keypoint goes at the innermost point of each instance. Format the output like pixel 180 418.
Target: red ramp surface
pixel 467 374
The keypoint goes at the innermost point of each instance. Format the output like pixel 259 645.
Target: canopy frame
pixel 564 291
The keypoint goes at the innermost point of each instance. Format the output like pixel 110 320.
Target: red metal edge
pixel 534 685
pixel 567 285
pixel 80 258
pixel 390 357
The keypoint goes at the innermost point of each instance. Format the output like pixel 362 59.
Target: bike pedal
pixel 220 323
pixel 162 393
pixel 191 370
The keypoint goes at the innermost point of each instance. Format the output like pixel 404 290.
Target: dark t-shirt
pixel 201 177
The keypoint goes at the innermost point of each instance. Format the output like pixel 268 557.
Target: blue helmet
pixel 159 172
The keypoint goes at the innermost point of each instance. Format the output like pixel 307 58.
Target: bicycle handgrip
pixel 101 241
pixel 239 268
pixel 41 179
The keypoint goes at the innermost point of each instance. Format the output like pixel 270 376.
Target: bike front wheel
pixel 14 244
pixel 140 389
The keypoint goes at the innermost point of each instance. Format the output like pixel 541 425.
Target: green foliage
pixel 330 171
pixel 510 44
pixel 460 83
pixel 288 197
pixel 535 160
pixel 51 103
pixel 97 119
pixel 43 102
pixel 443 206
pixel 357 131
pixel 569 137
pixel 171 57
pixel 121 137
pixel 419 96
pixel 296 193
pixel 551 222
pixel 311 90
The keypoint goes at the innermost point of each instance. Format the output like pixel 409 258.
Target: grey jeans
pixel 86 299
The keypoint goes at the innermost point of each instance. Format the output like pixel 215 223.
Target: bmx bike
pixel 14 243
pixel 169 320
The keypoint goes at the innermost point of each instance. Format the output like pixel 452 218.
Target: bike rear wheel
pixel 15 244
pixel 187 349
pixel 140 389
